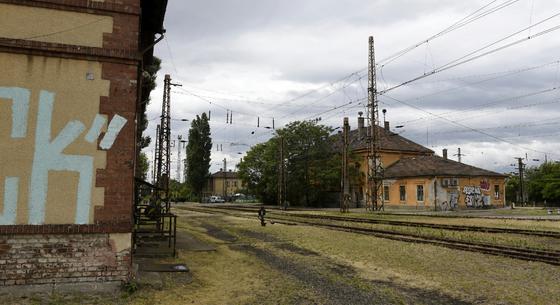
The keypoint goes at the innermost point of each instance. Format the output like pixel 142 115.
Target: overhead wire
pixel 468 127
pixel 459 61
pixel 485 105
pixel 457 25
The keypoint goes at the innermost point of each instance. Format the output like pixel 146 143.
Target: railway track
pixel 538 233
pixel 528 254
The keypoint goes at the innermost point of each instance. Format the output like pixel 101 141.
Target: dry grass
pixel 233 276
pixel 470 276
pixel 481 222
pixel 505 239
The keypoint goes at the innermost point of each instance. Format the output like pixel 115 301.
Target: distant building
pixel 70 97
pixel 415 177
pixel 223 184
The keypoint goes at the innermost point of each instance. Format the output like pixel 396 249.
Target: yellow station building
pixel 415 177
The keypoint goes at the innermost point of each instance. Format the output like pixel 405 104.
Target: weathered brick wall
pixel 59 259
pixel 98 252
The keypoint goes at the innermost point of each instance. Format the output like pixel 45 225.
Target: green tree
pixel 543 183
pixel 258 170
pixel 312 165
pixel 198 154
pixel 148 84
pixel 143 166
pixel 179 192
pixel 512 189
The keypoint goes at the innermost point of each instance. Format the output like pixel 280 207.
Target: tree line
pixel 312 165
pixel 541 184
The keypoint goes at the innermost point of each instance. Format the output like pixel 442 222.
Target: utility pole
pixel 375 171
pixel 179 142
pixel 155 164
pixel 164 138
pixel 521 169
pixel 345 185
pixel 225 178
pixel 185 170
pixel 282 176
pixel 459 154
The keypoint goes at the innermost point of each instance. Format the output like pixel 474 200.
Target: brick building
pixel 70 92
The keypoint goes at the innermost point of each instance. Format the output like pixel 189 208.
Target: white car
pixel 216 199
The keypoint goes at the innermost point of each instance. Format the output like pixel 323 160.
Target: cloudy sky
pixel 296 60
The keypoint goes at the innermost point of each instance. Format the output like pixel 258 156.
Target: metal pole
pixel 225 178
pixel 155 174
pixel 179 142
pixel 520 167
pixel 345 189
pixel 282 178
pixel 375 170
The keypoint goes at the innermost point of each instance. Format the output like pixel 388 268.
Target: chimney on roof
pixel 387 126
pixel 361 126
pixel 445 153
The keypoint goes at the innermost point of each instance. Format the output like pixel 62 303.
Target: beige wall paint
pixel 75 99
pixel 120 241
pixel 433 197
pixel 56 26
pixel 232 188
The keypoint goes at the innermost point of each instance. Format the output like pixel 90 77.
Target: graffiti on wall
pixel 484 185
pixel 48 155
pixel 474 197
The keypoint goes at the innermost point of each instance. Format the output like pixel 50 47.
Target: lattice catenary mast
pixel 164 136
pixel 375 171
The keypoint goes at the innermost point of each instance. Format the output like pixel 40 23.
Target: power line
pixel 335 108
pixel 556 121
pixel 451 64
pixel 485 105
pixel 466 126
pixel 499 75
pixel 458 62
pixel 457 25
pixel 346 85
pixel 317 89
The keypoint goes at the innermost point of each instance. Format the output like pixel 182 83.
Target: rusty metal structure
pixel 375 169
pixel 164 138
pixel 282 202
pixel 344 182
pixel 156 149
pixel 153 220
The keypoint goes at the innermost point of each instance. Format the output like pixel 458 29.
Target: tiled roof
pixel 422 166
pixel 388 141
pixel 229 175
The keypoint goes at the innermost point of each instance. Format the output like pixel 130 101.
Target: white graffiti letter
pixel 8 217
pixel 20 108
pixel 49 157
pixel 115 126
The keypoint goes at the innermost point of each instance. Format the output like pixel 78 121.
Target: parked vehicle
pixel 216 199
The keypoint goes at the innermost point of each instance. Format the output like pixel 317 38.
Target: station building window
pixel 497 191
pixel 420 193
pixel 402 193
pixel 386 192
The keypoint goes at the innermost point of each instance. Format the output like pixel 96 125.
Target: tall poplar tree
pixel 198 154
